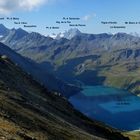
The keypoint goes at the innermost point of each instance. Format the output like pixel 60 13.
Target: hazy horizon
pixel 97 16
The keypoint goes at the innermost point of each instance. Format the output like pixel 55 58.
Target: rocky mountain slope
pixel 28 111
pixel 43 76
pixel 3 30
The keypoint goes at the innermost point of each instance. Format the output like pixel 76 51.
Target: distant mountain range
pixel 75 57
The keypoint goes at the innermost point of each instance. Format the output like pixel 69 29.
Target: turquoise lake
pixel 118 108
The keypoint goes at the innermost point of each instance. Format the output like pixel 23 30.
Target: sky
pixel 89 14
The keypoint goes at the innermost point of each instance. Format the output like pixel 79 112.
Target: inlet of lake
pixel 115 107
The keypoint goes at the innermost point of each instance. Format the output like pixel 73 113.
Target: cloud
pixel 9 6
pixel 88 17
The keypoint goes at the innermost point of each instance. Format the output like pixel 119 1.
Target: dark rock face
pixel 3 30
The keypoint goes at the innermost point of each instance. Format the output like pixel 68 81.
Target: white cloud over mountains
pixel 8 6
pixel 88 17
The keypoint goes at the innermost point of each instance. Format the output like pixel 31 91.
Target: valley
pixel 97 73
pixel 92 59
pixel 30 111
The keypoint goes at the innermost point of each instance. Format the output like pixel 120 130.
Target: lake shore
pixel 133 135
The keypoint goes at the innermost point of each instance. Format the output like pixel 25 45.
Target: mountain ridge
pixel 33 68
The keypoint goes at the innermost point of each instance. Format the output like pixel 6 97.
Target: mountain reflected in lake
pixel 117 108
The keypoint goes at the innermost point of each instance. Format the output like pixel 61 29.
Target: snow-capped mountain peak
pixel 67 34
